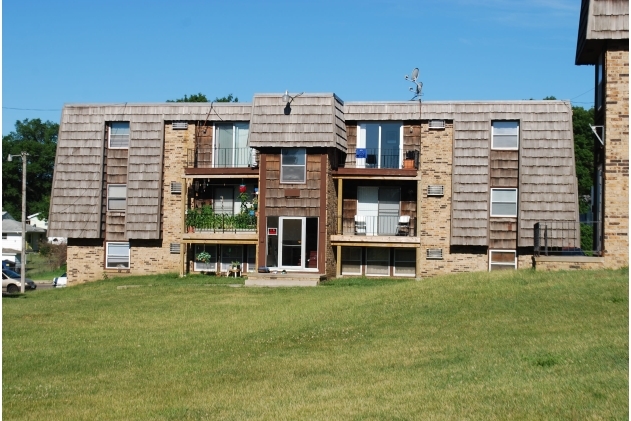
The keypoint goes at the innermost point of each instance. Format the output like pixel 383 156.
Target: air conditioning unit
pixel 180 125
pixel 434 254
pixel 435 190
pixel 437 124
pixel 174 248
pixel 176 188
pixel 253 162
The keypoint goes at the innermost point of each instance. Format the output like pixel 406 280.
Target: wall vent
pixel 176 188
pixel 435 190
pixel 435 254
pixel 437 124
pixel 175 248
pixel 180 125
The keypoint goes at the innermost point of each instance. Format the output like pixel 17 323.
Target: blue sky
pixel 57 52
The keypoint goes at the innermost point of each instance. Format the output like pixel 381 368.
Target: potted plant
pixel 236 265
pixel 192 219
pixel 203 257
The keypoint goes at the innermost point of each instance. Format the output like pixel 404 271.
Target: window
pixel 404 262
pixel 379 145
pixel 505 135
pixel 205 258
pixel 503 202
pixel 293 168
pixel 116 197
pixel 119 135
pixel 351 261
pixel 377 261
pixel 231 145
pixel 117 256
pixel 502 259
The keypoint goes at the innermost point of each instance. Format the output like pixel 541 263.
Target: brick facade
pixel 616 177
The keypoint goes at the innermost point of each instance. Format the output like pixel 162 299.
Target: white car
pixel 60 281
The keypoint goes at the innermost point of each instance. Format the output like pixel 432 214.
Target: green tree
pixel 193 98
pixel 583 152
pixel 39 140
pixel 202 98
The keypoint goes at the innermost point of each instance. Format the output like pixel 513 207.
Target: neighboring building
pixel 12 238
pixel 35 221
pixel 315 186
pixel 603 41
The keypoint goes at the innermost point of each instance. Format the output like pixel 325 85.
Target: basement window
pixel 117 256
pixel 502 260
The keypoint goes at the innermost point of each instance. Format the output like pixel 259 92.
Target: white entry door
pixel 292 243
pixel 368 206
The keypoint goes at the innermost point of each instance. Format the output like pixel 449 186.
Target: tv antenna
pixel 419 85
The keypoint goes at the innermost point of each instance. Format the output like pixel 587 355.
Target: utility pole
pixel 23 155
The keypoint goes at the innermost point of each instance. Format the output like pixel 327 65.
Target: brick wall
pixel 616 216
pixel 435 212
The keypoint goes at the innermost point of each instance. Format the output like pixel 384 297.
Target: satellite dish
pixel 415 74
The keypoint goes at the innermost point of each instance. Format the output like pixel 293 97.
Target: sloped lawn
pixel 513 345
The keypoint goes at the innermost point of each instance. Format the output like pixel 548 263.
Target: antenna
pixel 417 90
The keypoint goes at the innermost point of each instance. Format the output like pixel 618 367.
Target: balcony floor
pixel 377 240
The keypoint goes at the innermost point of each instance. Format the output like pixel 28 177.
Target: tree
pixel 193 98
pixel 39 140
pixel 583 152
pixel 202 98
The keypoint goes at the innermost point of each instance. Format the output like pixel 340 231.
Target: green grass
pixel 39 268
pixel 486 346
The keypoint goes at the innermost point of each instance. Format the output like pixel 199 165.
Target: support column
pixel 338 265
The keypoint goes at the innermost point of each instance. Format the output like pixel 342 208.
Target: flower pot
pixel 408 164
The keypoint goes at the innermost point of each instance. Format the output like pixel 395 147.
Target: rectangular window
pixel 205 258
pixel 251 250
pixel 293 168
pixel 505 135
pixel 502 260
pixel 116 197
pixel 380 145
pixel 404 262
pixel 351 260
pixel 119 135
pixel 117 256
pixel 231 145
pixel 377 261
pixel 503 202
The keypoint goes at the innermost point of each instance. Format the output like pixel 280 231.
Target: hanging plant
pixel 203 257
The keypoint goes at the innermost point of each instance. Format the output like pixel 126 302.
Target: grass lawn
pixel 485 346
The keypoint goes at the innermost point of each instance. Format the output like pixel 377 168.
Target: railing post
pixel 537 239
pixel 545 239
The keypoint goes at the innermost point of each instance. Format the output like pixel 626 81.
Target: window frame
pixel 398 260
pixel 368 260
pixel 491 263
pixel 109 134
pixel 209 266
pixel 362 140
pixel 496 148
pixel 235 160
pixel 304 166
pixel 345 252
pixel 493 190
pixel 110 197
pixel 108 255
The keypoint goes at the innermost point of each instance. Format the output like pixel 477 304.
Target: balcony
pixel 376 229
pixel 224 161
pixel 379 158
pixel 204 224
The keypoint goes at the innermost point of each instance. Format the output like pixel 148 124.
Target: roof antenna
pixel 419 85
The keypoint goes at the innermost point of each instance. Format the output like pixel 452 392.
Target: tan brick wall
pixel 435 212
pixel 616 217
pixel 546 264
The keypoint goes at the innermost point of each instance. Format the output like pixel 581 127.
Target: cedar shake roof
pixel 600 21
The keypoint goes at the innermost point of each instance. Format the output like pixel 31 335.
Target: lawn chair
pixel 403 227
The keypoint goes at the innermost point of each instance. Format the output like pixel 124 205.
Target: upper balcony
pixel 221 161
pixel 379 161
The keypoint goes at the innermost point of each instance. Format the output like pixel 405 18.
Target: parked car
pixel 10 285
pixel 60 281
pixel 14 278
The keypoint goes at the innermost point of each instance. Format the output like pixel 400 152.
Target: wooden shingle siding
pixel 315 120
pixel 601 21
